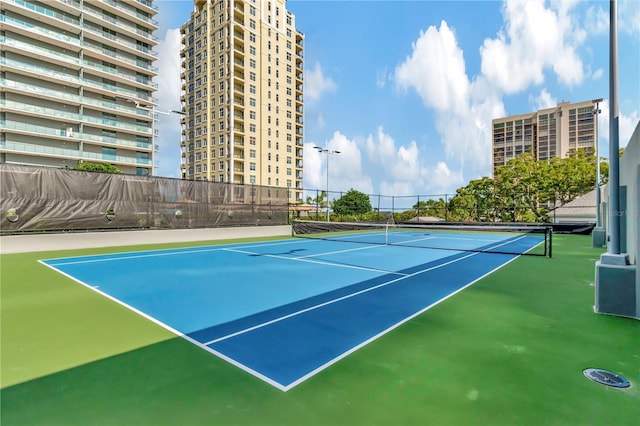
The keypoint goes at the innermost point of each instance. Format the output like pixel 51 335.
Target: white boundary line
pixel 171 329
pixel 320 368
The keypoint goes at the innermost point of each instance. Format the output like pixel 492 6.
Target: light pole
pixel 596 112
pixel 153 111
pixel 327 152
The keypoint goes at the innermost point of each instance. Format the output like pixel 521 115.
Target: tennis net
pixel 517 239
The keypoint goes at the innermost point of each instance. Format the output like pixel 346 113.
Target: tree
pixel 353 202
pixel 96 167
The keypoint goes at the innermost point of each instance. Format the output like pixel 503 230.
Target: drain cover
pixel 605 377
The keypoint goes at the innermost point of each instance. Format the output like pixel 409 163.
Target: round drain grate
pixel 605 377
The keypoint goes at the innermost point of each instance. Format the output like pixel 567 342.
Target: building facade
pixel 547 133
pixel 76 79
pixel 242 94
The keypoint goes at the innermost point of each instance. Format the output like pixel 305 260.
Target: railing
pixel 70 153
pixel 44 11
pixel 27 47
pixel 39 30
pixel 40 70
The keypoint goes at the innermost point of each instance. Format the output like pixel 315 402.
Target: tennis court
pixel 285 310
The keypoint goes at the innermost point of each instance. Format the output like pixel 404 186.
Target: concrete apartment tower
pixel 547 133
pixel 76 83
pixel 242 78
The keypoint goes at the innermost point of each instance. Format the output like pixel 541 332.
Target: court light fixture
pixel 327 152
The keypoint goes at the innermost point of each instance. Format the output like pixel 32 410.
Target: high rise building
pixel 76 79
pixel 546 133
pixel 242 71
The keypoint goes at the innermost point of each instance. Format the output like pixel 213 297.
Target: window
pixel 252 166
pixel 109 153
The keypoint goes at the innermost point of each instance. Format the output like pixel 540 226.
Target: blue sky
pixel 406 90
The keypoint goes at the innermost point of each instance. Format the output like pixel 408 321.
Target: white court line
pixel 172 330
pixel 163 252
pixel 254 372
pixel 319 262
pixel 405 276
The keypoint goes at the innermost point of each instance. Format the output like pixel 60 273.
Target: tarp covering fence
pixel 46 199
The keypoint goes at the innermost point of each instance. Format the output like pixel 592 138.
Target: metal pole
pixel 596 112
pixel 327 186
pixel 614 162
pixel 327 152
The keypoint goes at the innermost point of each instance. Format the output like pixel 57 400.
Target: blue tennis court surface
pixel 284 310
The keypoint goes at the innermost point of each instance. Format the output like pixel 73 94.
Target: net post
pixel 550 232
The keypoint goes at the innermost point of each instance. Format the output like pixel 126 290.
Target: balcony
pixel 41 92
pixel 238 10
pixel 54 56
pixel 38 111
pixel 115 74
pixel 105 37
pixel 47 151
pixel 101 122
pixel 44 14
pixel 29 30
pixel 131 12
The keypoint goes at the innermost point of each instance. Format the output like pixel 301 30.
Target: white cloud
pixel 626 126
pixel 597 20
pixel 464 109
pixel 536 38
pixel 543 101
pixel 436 70
pixel 345 169
pixel 467 137
pixel 443 179
pixel 629 17
pixel 597 74
pixel 404 168
pixel 168 95
pixel 382 77
pixel 316 84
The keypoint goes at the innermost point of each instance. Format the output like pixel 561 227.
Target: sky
pixel 406 90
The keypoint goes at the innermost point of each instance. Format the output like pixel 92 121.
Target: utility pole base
pixel 616 292
pixel 598 237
